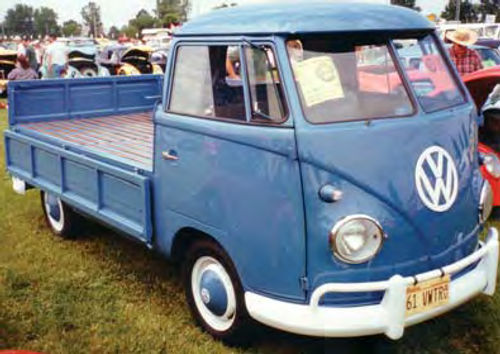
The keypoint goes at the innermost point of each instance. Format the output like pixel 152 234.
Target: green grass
pixel 102 293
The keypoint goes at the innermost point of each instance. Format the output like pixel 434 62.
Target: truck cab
pixel 304 173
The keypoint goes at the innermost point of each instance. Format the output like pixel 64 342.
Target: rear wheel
pixel 60 218
pixel 214 293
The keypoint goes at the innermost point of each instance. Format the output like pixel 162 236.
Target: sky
pixel 115 12
pixel 427 6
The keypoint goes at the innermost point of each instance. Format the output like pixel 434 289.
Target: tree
pixel 113 32
pixel 468 12
pixel 171 11
pixel 71 28
pixel 91 14
pixel 130 31
pixel 45 21
pixel 19 20
pixel 489 7
pixel 406 3
pixel 142 20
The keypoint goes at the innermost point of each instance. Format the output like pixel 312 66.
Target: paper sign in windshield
pixel 319 80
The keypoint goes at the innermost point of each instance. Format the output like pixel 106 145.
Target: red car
pixel 480 85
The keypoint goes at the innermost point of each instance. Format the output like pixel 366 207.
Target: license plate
pixel 427 295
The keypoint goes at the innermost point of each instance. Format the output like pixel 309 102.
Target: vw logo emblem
pixel 436 179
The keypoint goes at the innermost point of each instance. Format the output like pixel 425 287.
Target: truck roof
pixel 302 17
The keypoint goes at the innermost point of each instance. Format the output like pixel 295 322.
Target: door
pixel 228 167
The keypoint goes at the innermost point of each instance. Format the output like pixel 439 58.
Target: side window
pixel 206 83
pixel 266 90
pixel 428 73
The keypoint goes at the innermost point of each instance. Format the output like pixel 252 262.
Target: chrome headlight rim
pixel 332 237
pixel 485 202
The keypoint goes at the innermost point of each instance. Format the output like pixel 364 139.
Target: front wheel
pixel 60 218
pixel 214 293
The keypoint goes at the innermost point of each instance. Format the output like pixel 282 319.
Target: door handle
pixel 170 155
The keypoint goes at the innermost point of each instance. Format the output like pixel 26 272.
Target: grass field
pixel 103 294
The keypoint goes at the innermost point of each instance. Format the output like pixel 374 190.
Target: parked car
pixel 136 61
pixel 81 52
pixel 289 193
pixel 489 56
pixel 7 64
pixel 480 84
pixel 81 56
pixel 489 42
pixel 110 56
pixel 130 60
pixel 82 63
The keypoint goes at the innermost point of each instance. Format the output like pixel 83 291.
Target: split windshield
pixel 355 77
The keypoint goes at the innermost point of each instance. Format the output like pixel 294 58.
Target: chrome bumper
pixel 387 317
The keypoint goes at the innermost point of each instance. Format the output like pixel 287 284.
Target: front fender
pixel 410 247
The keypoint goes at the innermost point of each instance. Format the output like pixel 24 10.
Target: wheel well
pixel 184 238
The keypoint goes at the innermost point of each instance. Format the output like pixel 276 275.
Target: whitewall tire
pixel 60 218
pixel 214 293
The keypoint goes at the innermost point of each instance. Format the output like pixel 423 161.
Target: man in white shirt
pixel 56 58
pixel 21 49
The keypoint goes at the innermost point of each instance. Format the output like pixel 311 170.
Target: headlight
pixel 492 164
pixel 356 239
pixel 485 202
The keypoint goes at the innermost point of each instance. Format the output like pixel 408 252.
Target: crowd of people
pixel 51 53
pixel 31 54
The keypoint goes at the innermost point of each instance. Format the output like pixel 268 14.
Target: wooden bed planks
pixel 127 136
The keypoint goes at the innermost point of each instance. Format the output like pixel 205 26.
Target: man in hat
pixel 466 60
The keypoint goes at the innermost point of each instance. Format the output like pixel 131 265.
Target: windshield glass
pixel 348 78
pixel 428 73
pixel 489 56
pixel 345 79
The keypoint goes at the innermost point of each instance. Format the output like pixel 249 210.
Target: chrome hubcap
pixel 54 211
pixel 213 293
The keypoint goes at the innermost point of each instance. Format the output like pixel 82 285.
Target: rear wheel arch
pixel 213 287
pixel 185 238
pixel 59 216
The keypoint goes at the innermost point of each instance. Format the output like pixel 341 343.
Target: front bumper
pixel 387 317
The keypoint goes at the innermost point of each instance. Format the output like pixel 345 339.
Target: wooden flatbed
pixel 89 141
pixel 128 137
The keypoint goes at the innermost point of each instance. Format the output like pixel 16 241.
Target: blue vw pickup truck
pixel 305 174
